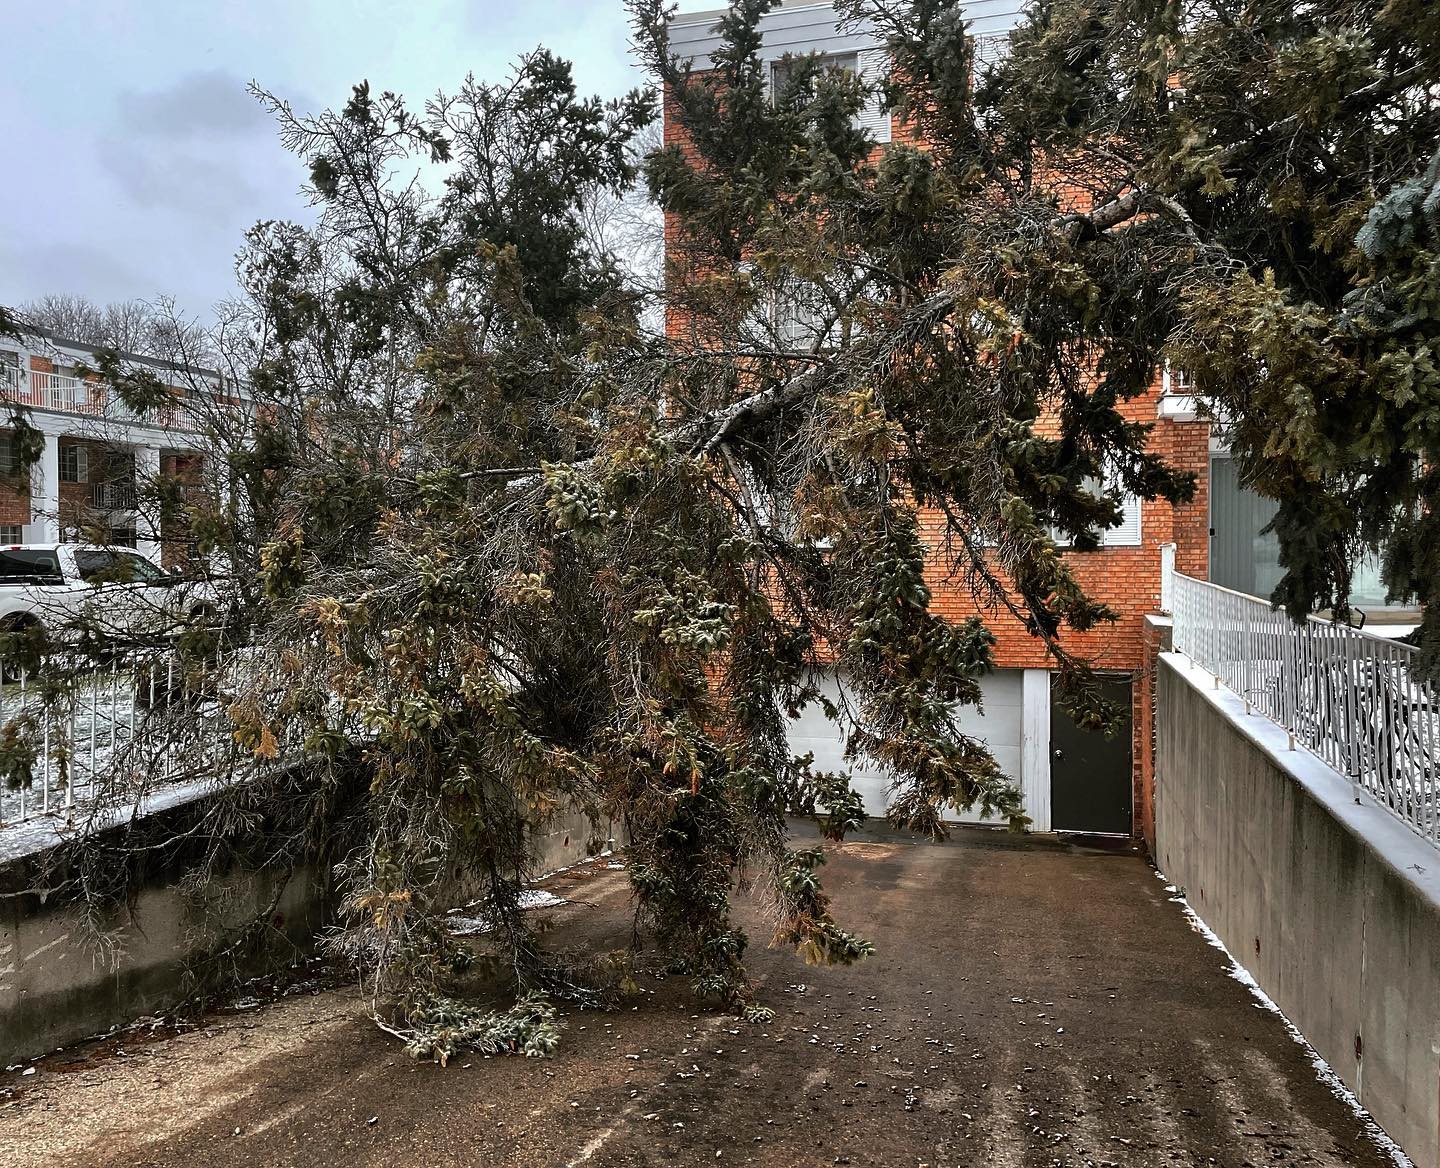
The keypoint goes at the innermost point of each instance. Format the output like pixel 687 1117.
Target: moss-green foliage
pixel 439 1028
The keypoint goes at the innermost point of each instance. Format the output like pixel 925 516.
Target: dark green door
pixel 1091 788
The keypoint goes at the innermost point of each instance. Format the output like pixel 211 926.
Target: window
pixel 870 64
pixel 97 566
pixel 12 533
pixel 94 566
pixel 74 463
pixel 1177 381
pixel 29 566
pixel 113 496
pixel 9 455
pixel 781 70
pixel 138 567
pixel 798 313
pixel 1127 534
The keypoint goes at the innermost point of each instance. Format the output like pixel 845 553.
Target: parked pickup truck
pixel 45 586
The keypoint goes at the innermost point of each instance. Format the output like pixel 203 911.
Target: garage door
pixel 999 727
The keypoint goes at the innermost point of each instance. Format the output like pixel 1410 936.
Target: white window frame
pixel 868 64
pixel 74 451
pixel 1130 532
pixel 1177 382
pixel 796 323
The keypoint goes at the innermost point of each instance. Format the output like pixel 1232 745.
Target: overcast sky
pixel 135 160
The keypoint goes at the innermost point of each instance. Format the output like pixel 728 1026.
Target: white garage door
pixel 999 727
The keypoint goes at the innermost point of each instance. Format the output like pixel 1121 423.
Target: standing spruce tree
pixel 497 549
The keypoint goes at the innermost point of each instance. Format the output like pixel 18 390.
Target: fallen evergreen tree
pixel 498 549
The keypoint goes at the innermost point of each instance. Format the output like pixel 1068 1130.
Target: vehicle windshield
pixel 139 567
pixel 115 567
pixel 17 564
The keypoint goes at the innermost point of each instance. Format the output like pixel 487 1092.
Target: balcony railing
pixel 1351 698
pixel 114 496
pixel 76 395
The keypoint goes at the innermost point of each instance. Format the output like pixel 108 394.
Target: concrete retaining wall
pixel 1332 904
pixel 58 986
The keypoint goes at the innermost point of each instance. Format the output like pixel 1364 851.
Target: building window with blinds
pixel 869 64
pixel 1127 534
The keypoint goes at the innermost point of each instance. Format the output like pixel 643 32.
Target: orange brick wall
pixel 75 498
pixel 14 504
pixel 1125 578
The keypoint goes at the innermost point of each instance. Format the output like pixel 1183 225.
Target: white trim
pixel 147 470
pixel 1178 401
pixel 872 65
pixel 1178 407
pixel 1167 577
pixel 803 28
pixel 1035 747
pixel 45 494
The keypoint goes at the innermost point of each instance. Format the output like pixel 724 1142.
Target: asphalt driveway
pixel 1031 1003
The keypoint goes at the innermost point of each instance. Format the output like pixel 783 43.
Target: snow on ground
pixel 540 898
pixel 458 924
pixel 1323 1069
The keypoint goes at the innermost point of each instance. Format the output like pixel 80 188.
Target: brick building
pixel 1071 780
pixel 83 487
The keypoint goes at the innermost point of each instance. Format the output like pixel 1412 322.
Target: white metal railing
pixel 1350 697
pixel 76 395
pixel 106 734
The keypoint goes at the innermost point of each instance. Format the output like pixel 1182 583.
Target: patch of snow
pixel 540 898
pixel 1323 1070
pixel 460 925
pixel 46 831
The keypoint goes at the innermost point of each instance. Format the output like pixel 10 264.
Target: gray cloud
pixel 146 166
pixel 201 148
pixel 205 188
pixel 207 105
pixel 32 264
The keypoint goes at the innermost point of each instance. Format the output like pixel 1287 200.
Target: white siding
pixel 813 28
pixel 873 66
pixel 1000 727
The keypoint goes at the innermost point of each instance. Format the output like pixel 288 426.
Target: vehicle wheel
pixel 24 644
